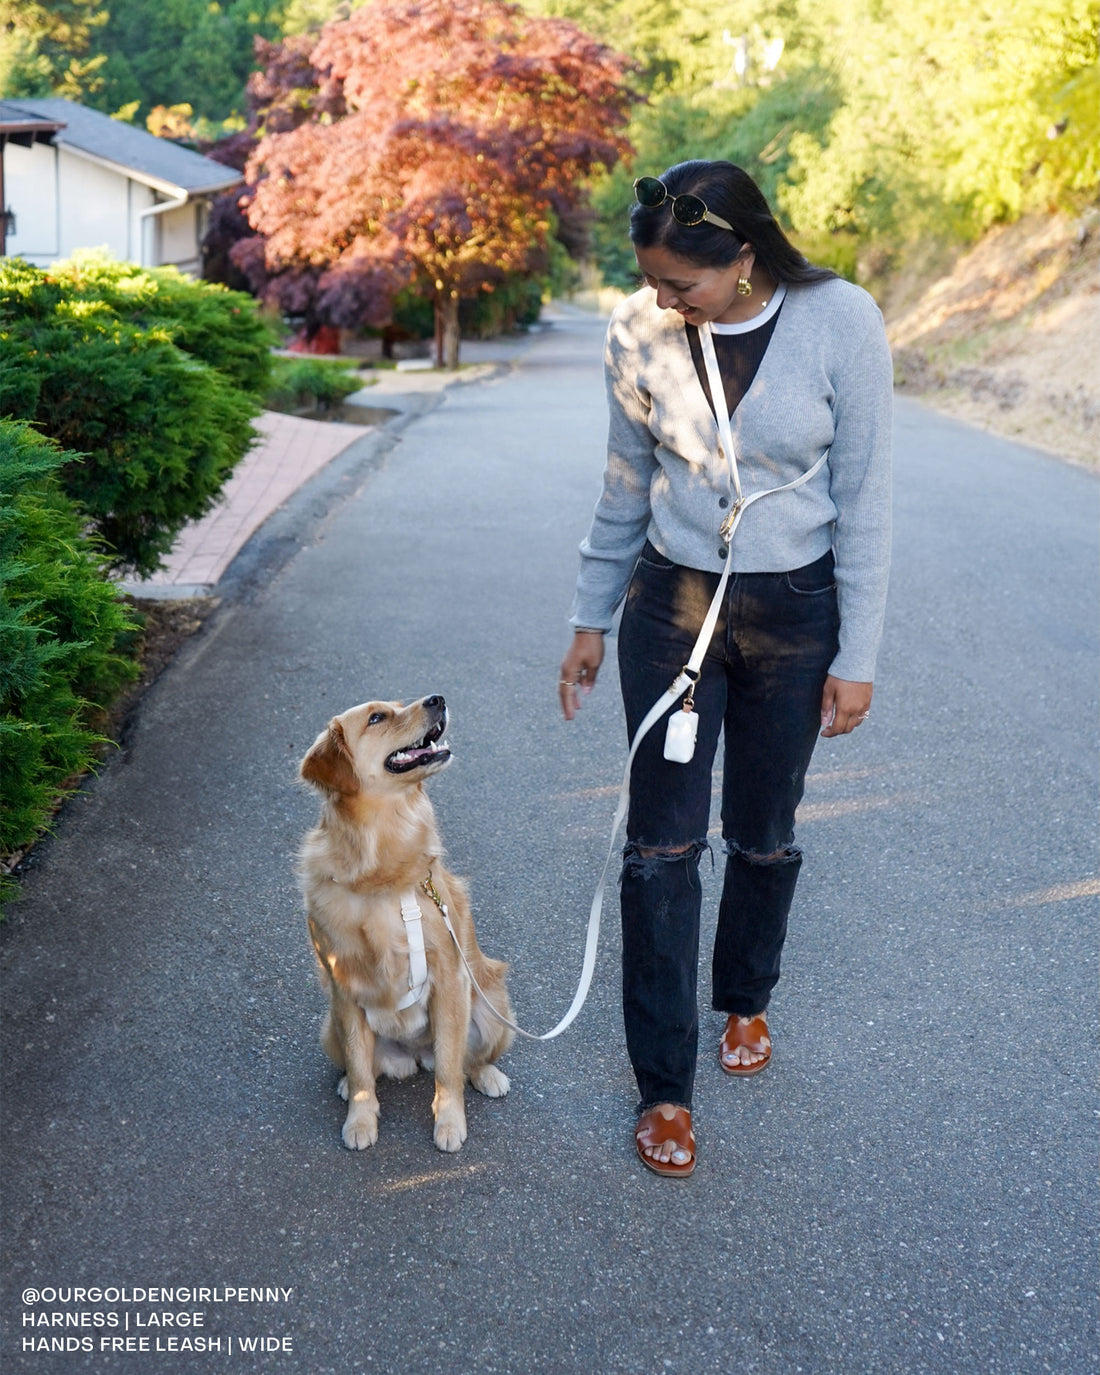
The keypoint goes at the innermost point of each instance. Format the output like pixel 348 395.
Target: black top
pixel 739 356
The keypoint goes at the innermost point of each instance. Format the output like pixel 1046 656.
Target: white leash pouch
pixel 680 736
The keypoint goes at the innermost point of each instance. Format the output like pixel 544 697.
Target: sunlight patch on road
pixel 812 780
pixel 844 775
pixel 850 806
pixel 1060 892
pixel 400 1186
pixel 581 794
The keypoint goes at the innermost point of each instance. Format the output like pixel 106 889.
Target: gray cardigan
pixel 825 382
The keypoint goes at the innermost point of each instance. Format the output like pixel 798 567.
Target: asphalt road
pixel 911 1186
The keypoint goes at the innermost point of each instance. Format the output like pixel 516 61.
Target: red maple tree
pixel 426 142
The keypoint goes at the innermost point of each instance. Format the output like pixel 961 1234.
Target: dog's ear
pixel 329 764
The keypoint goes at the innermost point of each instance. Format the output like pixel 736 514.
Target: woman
pixel 806 370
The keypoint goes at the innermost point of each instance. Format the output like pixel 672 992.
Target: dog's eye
pixel 375 717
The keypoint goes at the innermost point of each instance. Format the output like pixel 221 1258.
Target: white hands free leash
pixel 681 742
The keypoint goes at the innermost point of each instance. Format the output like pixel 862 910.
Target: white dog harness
pixel 418 962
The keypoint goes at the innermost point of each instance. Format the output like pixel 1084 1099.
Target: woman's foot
pixel 746 1047
pixel 665 1141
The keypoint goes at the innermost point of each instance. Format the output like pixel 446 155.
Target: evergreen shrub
pixel 213 324
pixel 299 384
pixel 67 640
pixel 158 429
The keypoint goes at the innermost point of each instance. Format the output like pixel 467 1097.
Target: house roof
pixel 13 120
pixel 155 161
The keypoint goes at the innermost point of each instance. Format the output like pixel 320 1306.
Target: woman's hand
pixel 578 670
pixel 844 705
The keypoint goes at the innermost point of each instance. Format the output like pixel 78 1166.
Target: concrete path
pixel 911 1186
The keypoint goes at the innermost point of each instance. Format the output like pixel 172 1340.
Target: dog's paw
pixel 450 1132
pixel 427 1060
pixel 395 1063
pixel 360 1131
pixel 342 1088
pixel 490 1081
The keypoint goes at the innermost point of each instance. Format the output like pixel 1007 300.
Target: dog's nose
pixel 436 703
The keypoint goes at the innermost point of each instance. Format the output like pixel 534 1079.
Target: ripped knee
pixel 786 854
pixel 645 860
pixel 664 851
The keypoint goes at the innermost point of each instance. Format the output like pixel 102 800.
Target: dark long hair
pixel 730 192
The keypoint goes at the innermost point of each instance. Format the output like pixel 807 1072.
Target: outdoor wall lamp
pixel 9 222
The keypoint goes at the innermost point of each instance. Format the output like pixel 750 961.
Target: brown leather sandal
pixel 655 1129
pixel 754 1037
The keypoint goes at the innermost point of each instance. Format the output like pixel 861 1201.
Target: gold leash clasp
pixel 689 696
pixel 428 888
pixel 726 528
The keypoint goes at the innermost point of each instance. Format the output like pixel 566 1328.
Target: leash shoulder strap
pixel 741 502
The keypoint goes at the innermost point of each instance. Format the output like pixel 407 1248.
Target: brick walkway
pixel 291 451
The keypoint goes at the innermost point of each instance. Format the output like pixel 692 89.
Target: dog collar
pixel 418 963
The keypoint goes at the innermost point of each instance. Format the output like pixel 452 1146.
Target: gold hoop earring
pixel 744 286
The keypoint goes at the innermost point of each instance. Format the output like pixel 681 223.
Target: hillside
pixel 1009 338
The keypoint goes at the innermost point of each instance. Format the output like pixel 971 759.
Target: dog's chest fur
pixel 366 951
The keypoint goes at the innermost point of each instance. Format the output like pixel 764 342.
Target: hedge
pixel 159 429
pixel 67 641
pixel 220 327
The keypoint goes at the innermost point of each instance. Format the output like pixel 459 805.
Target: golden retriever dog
pixel 375 848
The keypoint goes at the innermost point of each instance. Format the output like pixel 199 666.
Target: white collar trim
pixel 746 326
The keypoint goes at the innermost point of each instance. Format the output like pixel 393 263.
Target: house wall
pixel 63 202
pixel 30 191
pixel 179 237
pixel 94 208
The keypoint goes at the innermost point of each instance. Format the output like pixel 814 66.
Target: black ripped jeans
pixel 762 681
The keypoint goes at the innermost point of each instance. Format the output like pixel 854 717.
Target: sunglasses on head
pixel 652 192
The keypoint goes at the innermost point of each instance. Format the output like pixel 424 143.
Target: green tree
pixel 716 91
pixel 51 48
pixel 944 115
pixel 299 16
pixel 172 52
pixel 863 120
pixel 695 46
